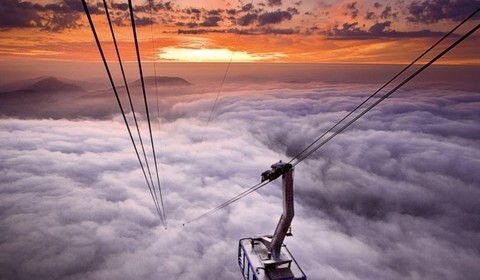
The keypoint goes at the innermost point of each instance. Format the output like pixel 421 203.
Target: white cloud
pixel 395 197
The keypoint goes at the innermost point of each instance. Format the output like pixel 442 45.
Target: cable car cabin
pixel 266 257
pixel 256 262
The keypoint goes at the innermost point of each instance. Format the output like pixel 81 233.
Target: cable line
pixel 425 66
pixel 129 97
pixel 230 201
pixel 223 79
pixel 156 94
pixel 132 19
pixel 99 46
pixel 300 159
pixel 382 87
pixel 154 63
pixel 156 84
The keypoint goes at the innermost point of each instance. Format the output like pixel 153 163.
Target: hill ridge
pixel 161 81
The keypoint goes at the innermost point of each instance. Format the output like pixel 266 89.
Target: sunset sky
pixel 394 196
pixel 362 31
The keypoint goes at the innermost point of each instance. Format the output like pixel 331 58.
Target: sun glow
pixel 214 55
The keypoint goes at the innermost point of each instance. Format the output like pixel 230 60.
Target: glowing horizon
pixel 354 32
pixel 212 55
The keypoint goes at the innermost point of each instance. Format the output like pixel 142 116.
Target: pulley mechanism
pixel 277 170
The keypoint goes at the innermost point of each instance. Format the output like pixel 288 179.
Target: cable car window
pixel 241 258
pixel 245 267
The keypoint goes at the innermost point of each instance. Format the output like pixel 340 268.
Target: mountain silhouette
pixel 161 81
pixel 44 84
pixel 39 97
pixel 52 84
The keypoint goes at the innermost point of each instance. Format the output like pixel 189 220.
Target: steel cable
pixel 382 87
pixel 129 97
pixel 298 160
pixel 99 46
pixel 137 49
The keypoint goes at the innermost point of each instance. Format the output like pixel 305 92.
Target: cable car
pixel 266 257
pixel 256 263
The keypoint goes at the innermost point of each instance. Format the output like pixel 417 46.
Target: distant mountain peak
pixel 161 81
pixel 52 84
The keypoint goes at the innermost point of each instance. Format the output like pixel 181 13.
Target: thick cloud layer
pixel 395 197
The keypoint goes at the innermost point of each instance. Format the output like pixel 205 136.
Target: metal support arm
pixel 287 215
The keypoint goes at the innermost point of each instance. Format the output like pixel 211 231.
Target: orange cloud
pixel 306 31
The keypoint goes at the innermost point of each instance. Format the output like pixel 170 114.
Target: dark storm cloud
pixel 211 20
pixel 352 10
pixel 431 11
pixel 274 2
pixel 67 14
pixel 59 22
pixel 119 6
pixel 156 6
pixel 68 6
pixel 195 31
pixel 282 31
pixel 208 18
pixel 144 21
pixel 50 17
pixel 247 19
pixel 388 13
pixel 382 15
pixel 14 13
pixel 144 13
pixel 378 30
pixel 215 12
pixel 370 15
pixel 261 23
pixel 247 16
pixel 273 17
pixel 247 7
pixel 293 11
pixel 193 11
pixel 74 204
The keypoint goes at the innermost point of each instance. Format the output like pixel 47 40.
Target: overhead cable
pixel 225 74
pixel 230 201
pixel 382 87
pixel 154 62
pixel 137 49
pixel 297 160
pixel 421 69
pixel 99 46
pixel 127 88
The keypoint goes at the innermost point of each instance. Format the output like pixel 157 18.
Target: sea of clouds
pixel 394 197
